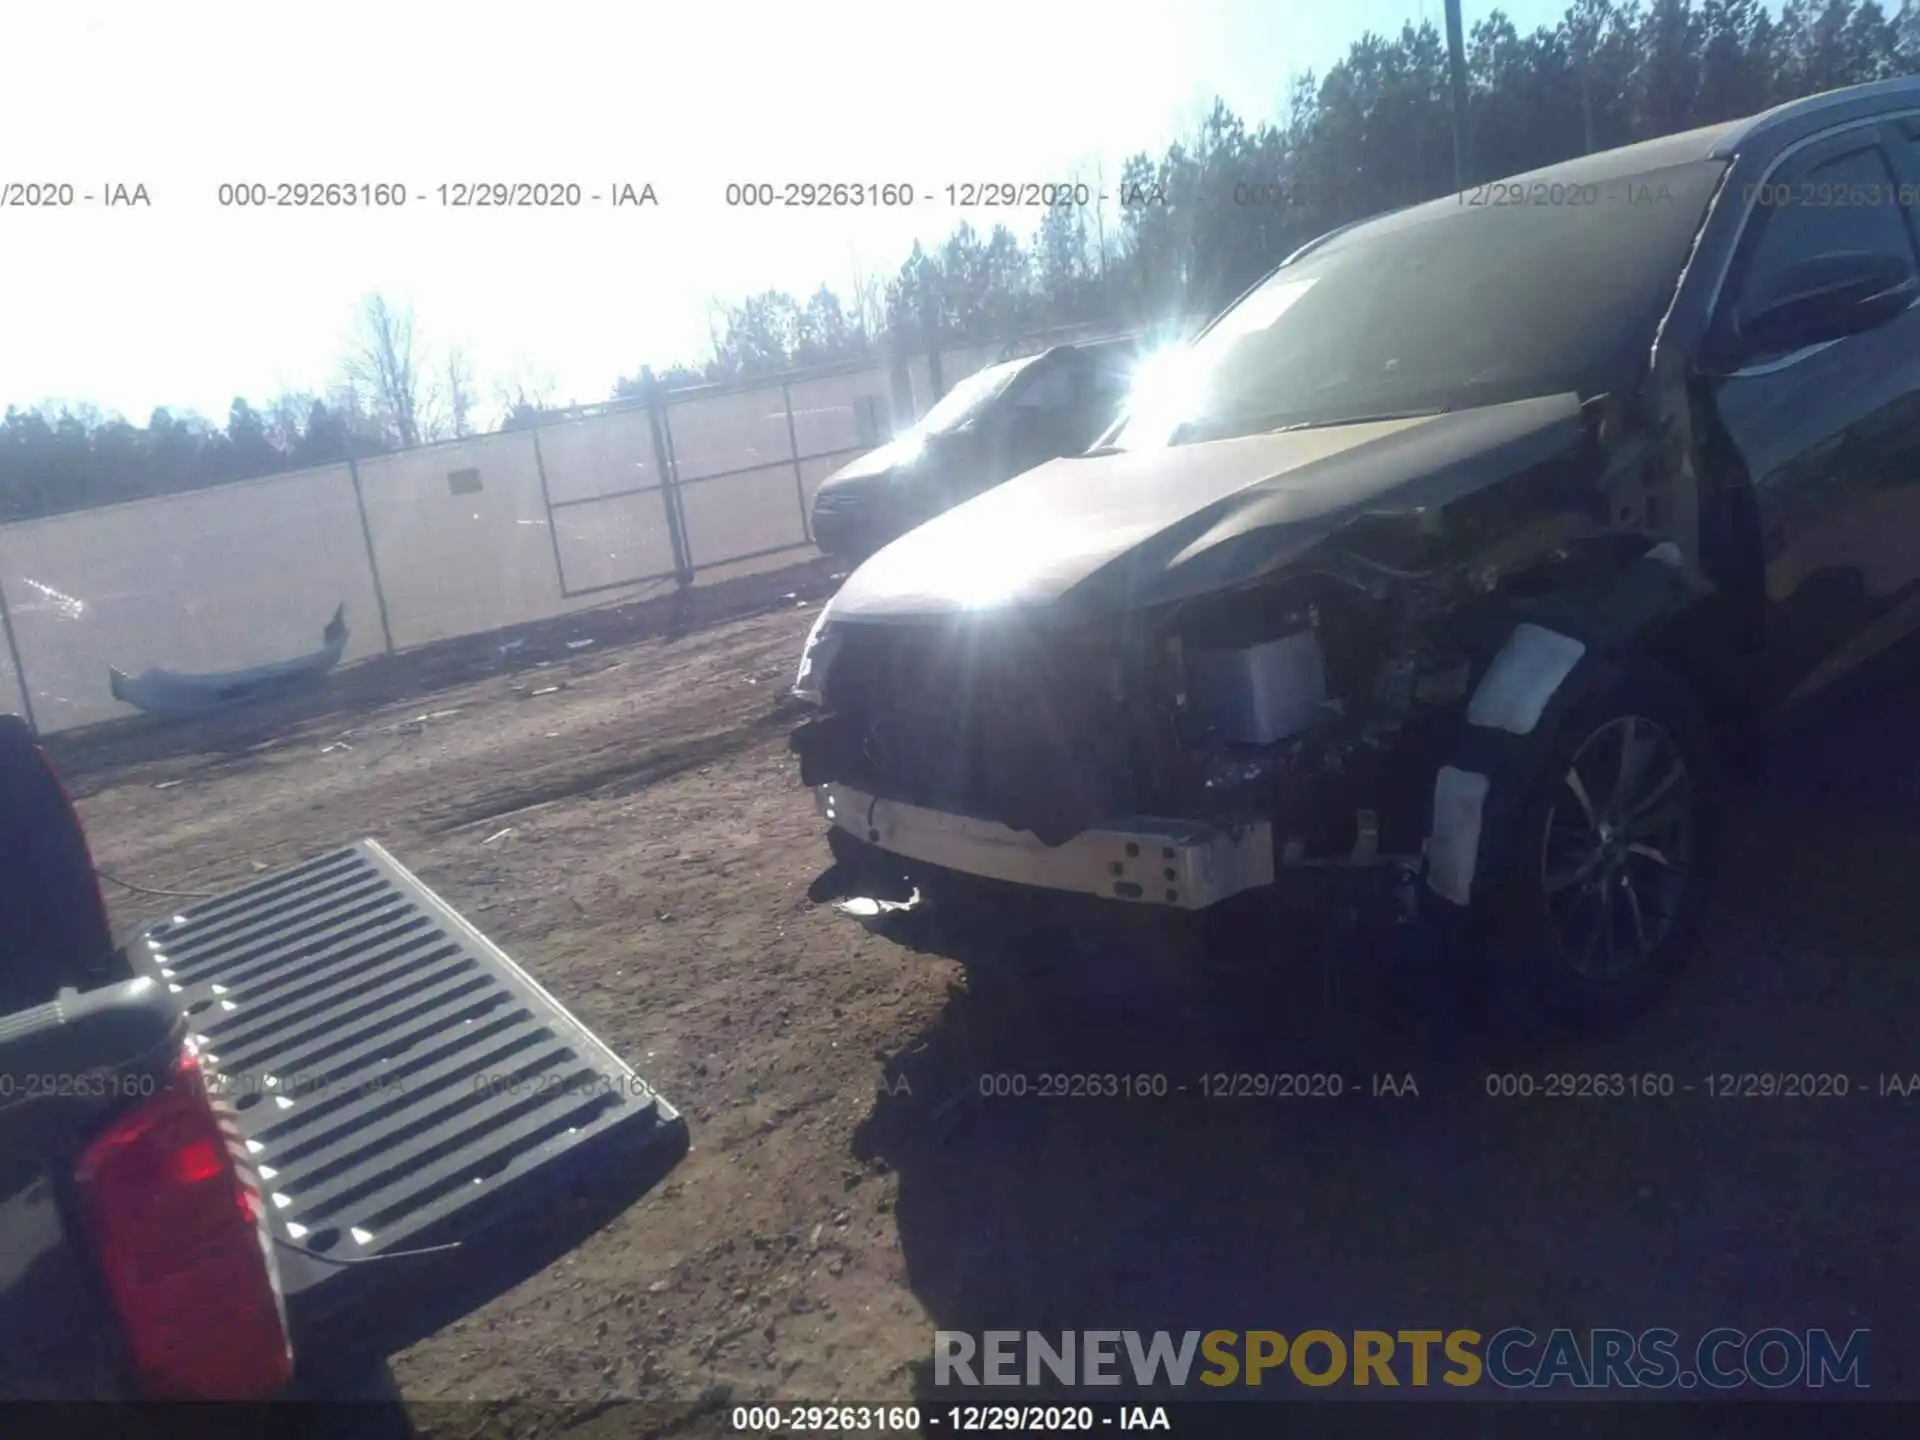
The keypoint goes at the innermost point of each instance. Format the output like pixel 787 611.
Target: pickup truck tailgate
pixel 431 1126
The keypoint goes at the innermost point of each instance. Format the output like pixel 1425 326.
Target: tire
pixel 1599 892
pixel 54 931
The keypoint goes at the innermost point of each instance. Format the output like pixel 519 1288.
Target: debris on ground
pixel 865 907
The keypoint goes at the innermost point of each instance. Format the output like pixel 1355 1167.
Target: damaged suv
pixel 1440 574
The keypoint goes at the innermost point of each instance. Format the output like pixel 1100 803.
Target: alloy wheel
pixel 1617 846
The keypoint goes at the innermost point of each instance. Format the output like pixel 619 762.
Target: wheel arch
pixel 1558 654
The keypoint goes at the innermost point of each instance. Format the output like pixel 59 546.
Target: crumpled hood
pixel 1149 526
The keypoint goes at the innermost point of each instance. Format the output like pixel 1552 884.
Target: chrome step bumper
pixel 408 1093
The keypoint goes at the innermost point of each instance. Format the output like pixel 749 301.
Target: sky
pixel 188 303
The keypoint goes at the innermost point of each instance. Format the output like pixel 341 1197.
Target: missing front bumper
pixel 1175 864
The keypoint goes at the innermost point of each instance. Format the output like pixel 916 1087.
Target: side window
pixel 1846 203
pixel 1910 132
pixel 1050 390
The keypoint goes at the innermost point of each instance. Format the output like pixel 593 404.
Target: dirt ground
pixel 638 840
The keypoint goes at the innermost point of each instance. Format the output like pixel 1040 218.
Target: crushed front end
pixel 1276 738
pixel 1087 684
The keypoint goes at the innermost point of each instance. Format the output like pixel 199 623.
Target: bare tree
pixel 868 293
pixel 359 413
pixel 719 326
pixel 286 418
pixel 446 401
pixel 456 378
pixel 522 394
pixel 381 368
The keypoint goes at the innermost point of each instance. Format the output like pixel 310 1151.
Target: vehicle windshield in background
pixel 1449 305
pixel 957 408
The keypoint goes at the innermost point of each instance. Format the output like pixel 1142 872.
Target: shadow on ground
pixel 1453 1209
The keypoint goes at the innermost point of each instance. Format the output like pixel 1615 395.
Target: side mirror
pixel 1822 298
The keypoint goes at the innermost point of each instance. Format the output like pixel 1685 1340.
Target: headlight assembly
pixel 823 643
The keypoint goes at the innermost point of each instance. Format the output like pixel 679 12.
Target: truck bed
pixel 431 1125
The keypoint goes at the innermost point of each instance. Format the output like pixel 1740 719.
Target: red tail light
pixel 174 1212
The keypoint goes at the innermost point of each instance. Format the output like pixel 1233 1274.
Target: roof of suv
pixel 1647 157
pixel 1831 106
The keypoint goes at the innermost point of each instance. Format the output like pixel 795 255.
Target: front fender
pixel 1566 651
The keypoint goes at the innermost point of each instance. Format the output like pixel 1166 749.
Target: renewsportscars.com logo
pixel 1512 1359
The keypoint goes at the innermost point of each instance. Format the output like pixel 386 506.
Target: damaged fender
pixel 1551 664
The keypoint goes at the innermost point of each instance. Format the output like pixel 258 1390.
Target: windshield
pixel 958 407
pixel 1447 306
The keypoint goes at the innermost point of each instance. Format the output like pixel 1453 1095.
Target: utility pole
pixel 930 337
pixel 1100 213
pixel 1586 110
pixel 1457 72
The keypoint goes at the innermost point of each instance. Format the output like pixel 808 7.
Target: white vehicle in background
pixel 996 423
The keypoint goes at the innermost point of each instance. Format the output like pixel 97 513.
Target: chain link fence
pixel 673 488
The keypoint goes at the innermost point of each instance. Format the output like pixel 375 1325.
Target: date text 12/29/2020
pixel 451 195
pixel 1584 1085
pixel 962 195
pixel 1215 1085
pixel 1721 1085
pixel 1014 1419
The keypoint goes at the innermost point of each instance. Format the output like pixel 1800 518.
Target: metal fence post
pixel 546 501
pixel 13 651
pixel 799 475
pixel 679 501
pixel 669 479
pixel 373 563
pixel 900 388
